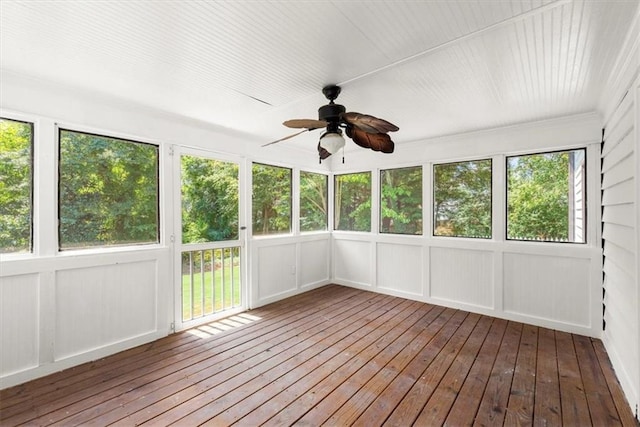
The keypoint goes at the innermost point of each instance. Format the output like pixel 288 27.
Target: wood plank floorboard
pixel 495 398
pixel 465 407
pixel 437 407
pixel 521 398
pixel 575 409
pixel 337 356
pixel 547 403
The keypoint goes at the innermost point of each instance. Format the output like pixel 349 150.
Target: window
pixel 353 202
pixel 209 200
pixel 545 197
pixel 271 199
pixel 401 201
pixel 16 186
pixel 462 199
pixel 108 191
pixel 313 201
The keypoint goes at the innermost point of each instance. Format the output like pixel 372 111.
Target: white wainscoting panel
pixel 314 262
pixel 462 275
pixel 548 287
pixel 400 268
pixel 102 305
pixel 276 270
pixel 353 262
pixel 19 309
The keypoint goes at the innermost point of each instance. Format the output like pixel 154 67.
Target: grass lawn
pixel 216 297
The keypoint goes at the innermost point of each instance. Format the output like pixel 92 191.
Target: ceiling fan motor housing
pixel 331 112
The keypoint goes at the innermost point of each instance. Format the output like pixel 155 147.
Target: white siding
pixel 577 215
pixel 620 243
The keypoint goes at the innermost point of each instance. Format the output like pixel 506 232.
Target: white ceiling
pixel 431 67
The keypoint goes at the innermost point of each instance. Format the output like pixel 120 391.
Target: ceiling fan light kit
pixel 365 130
pixel 332 141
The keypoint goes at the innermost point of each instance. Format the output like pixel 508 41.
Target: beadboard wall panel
pixel 462 275
pixel 314 262
pixel 102 305
pixel 61 311
pixel 400 268
pixel 282 266
pixel 353 260
pixel 548 287
pixel 19 323
pixel 276 273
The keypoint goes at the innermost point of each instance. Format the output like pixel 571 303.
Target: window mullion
pixel 45 192
pixel 498 198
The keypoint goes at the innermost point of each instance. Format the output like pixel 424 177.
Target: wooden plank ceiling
pixel 432 67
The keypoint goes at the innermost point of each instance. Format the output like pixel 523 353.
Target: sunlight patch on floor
pixel 222 325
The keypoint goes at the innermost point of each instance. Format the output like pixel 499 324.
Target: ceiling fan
pixel 365 130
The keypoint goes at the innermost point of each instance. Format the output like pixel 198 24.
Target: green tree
pixel 108 191
pixel 462 199
pixel 313 201
pixel 209 200
pixel 271 199
pixel 16 141
pixel 401 201
pixel 353 202
pixel 537 197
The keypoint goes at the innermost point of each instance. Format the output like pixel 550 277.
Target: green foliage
pixel 271 199
pixel 353 202
pixel 313 201
pixel 401 201
pixel 537 197
pixel 108 191
pixel 15 185
pixel 462 199
pixel 209 200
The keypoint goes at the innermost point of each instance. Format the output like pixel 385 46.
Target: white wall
pixel 556 285
pixel 621 217
pixel 61 309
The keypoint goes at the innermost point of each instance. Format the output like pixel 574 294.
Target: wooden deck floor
pixel 338 356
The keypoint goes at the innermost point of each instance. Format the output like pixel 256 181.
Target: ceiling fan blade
pixel 305 123
pixel 287 137
pixel 369 123
pixel 375 141
pixel 322 152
